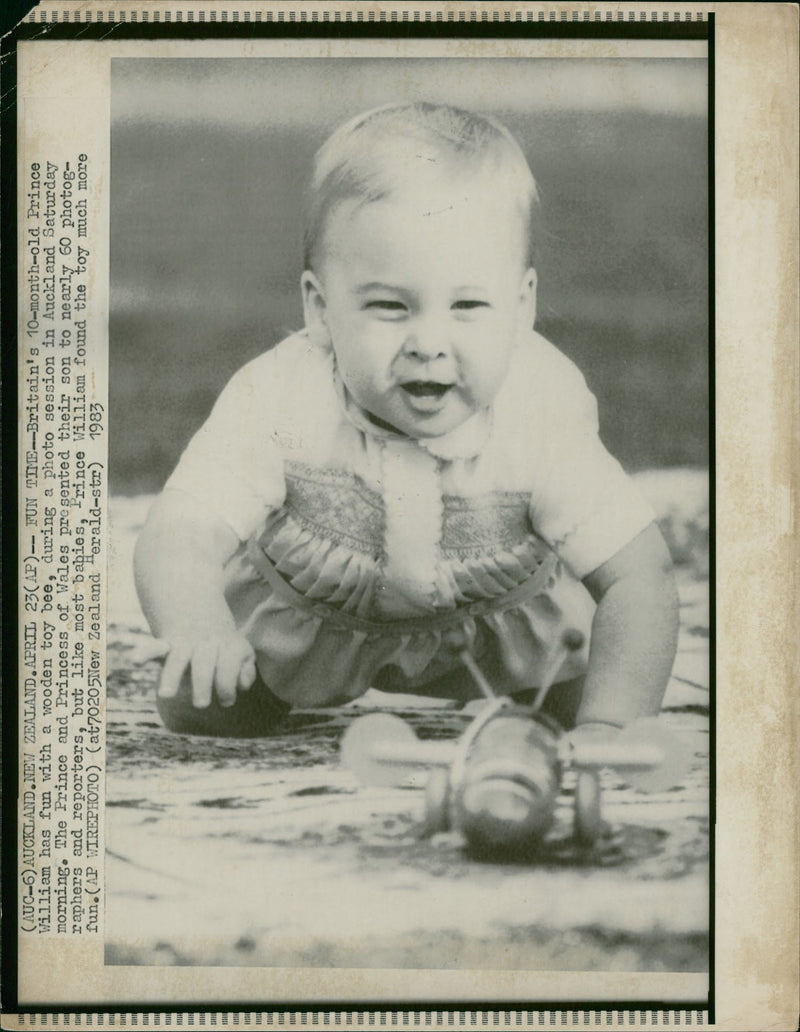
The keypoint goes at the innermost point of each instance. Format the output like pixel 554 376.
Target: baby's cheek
pixel 485 370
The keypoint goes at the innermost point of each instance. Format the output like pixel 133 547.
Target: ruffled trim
pixel 325 570
pixel 319 568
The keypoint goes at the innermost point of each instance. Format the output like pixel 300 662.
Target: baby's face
pixel 423 296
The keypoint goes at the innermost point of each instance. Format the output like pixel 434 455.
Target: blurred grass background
pixel 209 160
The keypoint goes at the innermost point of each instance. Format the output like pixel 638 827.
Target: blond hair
pixel 363 160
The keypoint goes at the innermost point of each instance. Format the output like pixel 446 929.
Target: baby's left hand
pixel 217 663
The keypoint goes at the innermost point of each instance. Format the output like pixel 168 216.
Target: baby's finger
pixel 149 649
pixel 174 669
pixel 204 660
pixel 247 674
pixel 229 662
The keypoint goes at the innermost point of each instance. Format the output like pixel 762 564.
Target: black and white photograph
pixel 409 446
pixel 405 411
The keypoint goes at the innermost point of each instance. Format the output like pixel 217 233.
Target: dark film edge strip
pixel 635 1019
pixel 155 17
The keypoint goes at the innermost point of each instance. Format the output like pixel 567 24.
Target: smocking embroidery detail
pixel 337 506
pixel 480 526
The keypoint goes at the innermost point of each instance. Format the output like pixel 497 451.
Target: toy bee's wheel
pixel 588 820
pixel 437 802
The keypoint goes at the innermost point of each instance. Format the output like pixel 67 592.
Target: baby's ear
pixel 314 308
pixel 528 297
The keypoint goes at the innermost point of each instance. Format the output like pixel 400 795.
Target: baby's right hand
pixel 217 662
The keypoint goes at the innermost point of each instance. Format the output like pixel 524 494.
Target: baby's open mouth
pixel 426 388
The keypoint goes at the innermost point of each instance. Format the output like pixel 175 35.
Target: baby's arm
pixel 179 561
pixel 634 633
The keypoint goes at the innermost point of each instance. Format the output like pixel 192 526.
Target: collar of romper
pixel 465 442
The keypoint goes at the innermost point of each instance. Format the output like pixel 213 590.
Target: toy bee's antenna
pixel 572 642
pixel 456 639
pixel 468 660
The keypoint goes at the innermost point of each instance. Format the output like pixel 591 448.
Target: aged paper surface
pixel 65 99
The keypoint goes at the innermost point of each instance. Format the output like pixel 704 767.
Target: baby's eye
pixel 468 305
pixel 386 306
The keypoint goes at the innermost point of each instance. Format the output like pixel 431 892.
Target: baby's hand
pixel 219 661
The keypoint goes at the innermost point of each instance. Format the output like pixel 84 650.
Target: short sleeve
pixel 582 503
pixel 232 465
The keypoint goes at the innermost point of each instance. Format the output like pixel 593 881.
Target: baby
pixel 415 472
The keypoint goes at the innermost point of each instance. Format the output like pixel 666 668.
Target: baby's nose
pixel 427 342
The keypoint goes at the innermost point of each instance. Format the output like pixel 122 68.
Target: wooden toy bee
pixel 500 783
